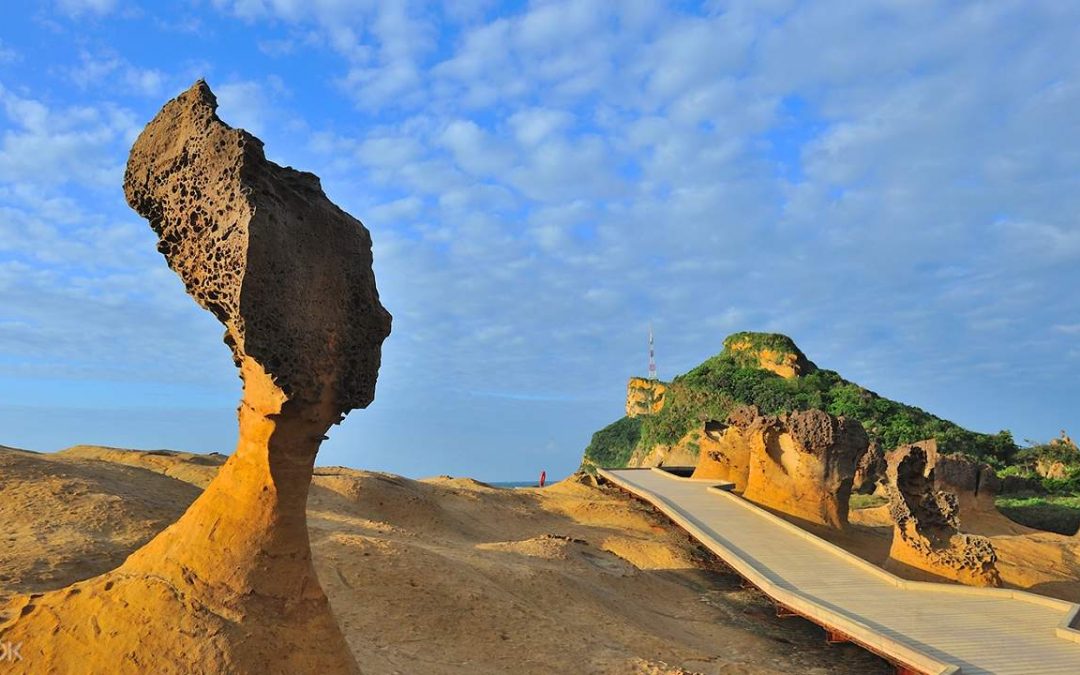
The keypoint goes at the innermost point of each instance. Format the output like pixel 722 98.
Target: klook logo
pixel 9 652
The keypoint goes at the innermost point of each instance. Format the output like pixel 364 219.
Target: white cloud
pixel 78 8
pixel 7 54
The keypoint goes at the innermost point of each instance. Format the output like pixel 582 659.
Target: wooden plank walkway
pixel 925 627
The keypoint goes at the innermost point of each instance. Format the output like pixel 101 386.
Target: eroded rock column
pixel 230 587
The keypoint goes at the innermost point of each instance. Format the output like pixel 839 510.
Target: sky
pixel 894 184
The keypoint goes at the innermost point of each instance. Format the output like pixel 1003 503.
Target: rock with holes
pixel 801 464
pixel 926 533
pixel 973 483
pixel 870 471
pixel 230 587
pixel 726 447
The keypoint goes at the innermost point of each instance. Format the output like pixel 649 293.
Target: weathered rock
pixel 726 448
pixel 644 397
pixel 975 484
pixel 802 463
pixel 870 471
pixel 929 447
pixel 1051 468
pixel 1014 484
pixel 787 362
pixel 926 521
pixel 230 587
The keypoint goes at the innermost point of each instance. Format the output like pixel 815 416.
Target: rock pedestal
pixel 230 587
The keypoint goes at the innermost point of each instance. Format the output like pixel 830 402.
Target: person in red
pixel 543 478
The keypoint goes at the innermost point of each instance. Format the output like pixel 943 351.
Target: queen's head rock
pixel 261 247
pixel 230 587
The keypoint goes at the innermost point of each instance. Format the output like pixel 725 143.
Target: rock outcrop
pixel 769 351
pixel 230 587
pixel 926 524
pixel 644 396
pixel 870 471
pixel 726 447
pixel 801 464
pixel 973 483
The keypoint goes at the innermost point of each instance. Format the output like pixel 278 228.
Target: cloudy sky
pixel 895 184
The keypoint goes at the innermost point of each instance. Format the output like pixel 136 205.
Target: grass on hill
pixel 714 388
pixel 1054 513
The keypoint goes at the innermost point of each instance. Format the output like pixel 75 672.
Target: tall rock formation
pixel 801 463
pixel 926 522
pixel 230 587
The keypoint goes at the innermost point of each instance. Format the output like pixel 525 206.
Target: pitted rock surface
pixel 230 586
pixel 802 463
pixel 262 248
pixel 926 521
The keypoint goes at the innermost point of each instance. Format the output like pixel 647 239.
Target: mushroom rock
pixel 806 466
pixel 230 587
pixel 926 523
pixel 801 464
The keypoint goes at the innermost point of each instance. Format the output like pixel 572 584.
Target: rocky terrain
pixel 799 441
pixel 801 463
pixel 440 576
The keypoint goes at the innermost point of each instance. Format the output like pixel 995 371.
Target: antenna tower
pixel 652 356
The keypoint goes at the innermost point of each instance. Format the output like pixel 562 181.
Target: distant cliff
pixel 667 421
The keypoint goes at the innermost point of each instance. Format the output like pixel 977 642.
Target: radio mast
pixel 652 356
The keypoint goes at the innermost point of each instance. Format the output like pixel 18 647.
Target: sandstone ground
pixel 442 575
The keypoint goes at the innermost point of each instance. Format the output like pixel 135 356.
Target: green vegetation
pixel 1027 459
pixel 1055 513
pixel 714 388
pixel 860 501
pixel 711 390
pixel 774 342
pixel 613 445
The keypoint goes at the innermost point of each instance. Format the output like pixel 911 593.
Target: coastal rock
pixel 726 448
pixel 870 471
pixel 926 522
pixel 230 587
pixel 1049 468
pixel 775 353
pixel 801 464
pixel 644 396
pixel 1014 484
pixel 975 484
pixel 807 466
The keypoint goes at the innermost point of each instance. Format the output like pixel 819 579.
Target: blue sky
pixel 896 185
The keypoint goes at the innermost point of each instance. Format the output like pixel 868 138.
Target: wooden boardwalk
pixel 923 627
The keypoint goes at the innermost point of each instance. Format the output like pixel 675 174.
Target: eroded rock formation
pixel 726 447
pixel 644 396
pixel 801 463
pixel 230 587
pixel 870 471
pixel 926 524
pixel 787 362
pixel 973 483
